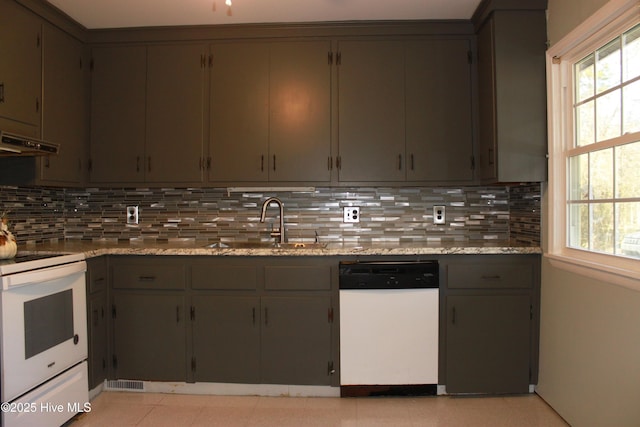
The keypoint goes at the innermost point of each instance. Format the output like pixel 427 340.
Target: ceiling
pixel 96 14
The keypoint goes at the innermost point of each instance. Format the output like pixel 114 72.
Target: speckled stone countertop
pixel 93 249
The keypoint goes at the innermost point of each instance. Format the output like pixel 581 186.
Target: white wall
pixel 590 330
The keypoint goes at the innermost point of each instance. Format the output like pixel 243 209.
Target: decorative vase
pixel 8 246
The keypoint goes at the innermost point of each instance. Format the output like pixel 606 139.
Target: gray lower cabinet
pixel 149 331
pixel 226 339
pixel 296 340
pixel 97 319
pixel 262 320
pixel 224 319
pixel 488 344
pixel 490 306
pixel 149 317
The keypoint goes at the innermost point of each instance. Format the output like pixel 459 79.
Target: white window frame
pixel 609 22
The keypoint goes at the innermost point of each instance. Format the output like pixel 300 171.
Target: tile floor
pixel 152 409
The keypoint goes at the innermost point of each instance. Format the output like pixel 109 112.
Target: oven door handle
pixel 42 275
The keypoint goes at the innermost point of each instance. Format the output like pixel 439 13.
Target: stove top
pixel 27 262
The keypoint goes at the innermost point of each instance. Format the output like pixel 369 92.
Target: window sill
pixel 615 275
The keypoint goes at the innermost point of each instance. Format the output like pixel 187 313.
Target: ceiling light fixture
pixel 227 2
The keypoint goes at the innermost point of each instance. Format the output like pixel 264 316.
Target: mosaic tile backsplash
pixel 388 215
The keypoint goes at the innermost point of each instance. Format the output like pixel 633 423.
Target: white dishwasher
pixel 388 328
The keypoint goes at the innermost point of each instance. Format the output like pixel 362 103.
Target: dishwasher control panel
pixel 389 275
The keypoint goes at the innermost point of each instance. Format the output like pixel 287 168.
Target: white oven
pixel 44 339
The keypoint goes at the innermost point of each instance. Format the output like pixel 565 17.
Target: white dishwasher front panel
pixel 389 336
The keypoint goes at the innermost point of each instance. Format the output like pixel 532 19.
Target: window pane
pixel 579 226
pixel 628 229
pixel 631 53
pixel 579 177
pixel 628 170
pixel 608 117
pixel 608 66
pixel 584 78
pixel 601 174
pixel 602 227
pixel 631 99
pixel 585 124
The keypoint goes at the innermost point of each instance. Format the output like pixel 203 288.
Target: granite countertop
pixel 93 249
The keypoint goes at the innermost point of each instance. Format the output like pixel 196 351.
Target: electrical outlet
pixel 439 215
pixel 351 214
pixel 132 214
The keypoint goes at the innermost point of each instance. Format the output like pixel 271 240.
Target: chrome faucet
pixel 279 234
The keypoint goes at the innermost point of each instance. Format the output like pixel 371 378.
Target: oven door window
pixel 48 321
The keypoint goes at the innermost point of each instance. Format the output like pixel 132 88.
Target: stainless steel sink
pixel 265 245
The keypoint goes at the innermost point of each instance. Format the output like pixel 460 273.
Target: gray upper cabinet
pixel 270 114
pixel 405 110
pixel 300 111
pixel 512 96
pixel 64 105
pixel 239 115
pixel 175 113
pixel 118 91
pixel 21 65
pixel 371 120
pixel 439 120
pixel 148 114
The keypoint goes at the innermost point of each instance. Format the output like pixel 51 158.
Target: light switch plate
pixel 439 215
pixel 351 214
pixel 132 214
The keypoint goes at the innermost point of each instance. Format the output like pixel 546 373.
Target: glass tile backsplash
pixel 388 215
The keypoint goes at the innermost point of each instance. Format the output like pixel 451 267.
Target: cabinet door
pixel 487 101
pixel 511 75
pixel 226 339
pixel 118 82
pixel 438 108
pixel 97 317
pixel 149 336
pixel 175 113
pixel 371 120
pixel 488 342
pixel 97 331
pixel 300 111
pixel 63 115
pixel 296 340
pixel 239 112
pixel 21 64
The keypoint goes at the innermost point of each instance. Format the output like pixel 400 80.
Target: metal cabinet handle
pixel 274 162
pixel 262 163
pixel 137 163
pixel 399 161
pixel 149 164
pixel 494 277
pixel 177 314
pixel 253 315
pixel 453 315
pixel 412 162
pixel 266 316
pixel 146 278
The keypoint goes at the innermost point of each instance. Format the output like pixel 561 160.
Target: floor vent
pixel 125 385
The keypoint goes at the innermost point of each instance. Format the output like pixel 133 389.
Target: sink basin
pixel 265 245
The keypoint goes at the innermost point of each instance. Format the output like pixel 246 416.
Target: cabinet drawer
pixel 148 276
pixel 490 275
pixel 316 278
pixel 233 277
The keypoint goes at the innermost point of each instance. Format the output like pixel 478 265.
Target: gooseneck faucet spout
pixel 278 234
